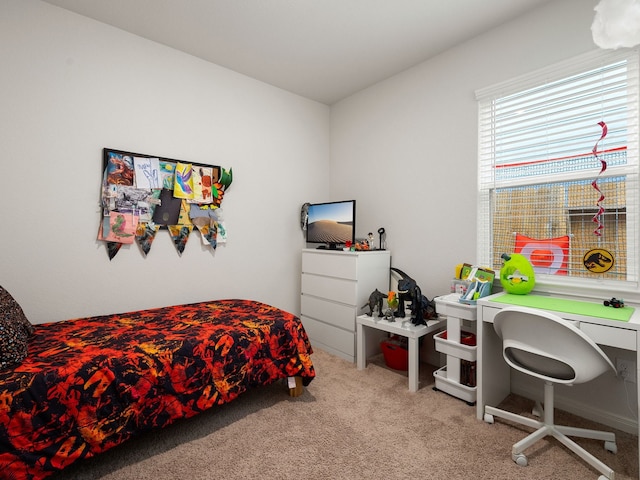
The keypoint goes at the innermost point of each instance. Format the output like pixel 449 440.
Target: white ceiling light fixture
pixel 616 24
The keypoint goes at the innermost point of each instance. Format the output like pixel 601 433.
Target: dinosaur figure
pixel 375 298
pixel 428 308
pixel 392 302
pixel 421 306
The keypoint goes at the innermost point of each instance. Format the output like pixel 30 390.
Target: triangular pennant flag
pixel 113 248
pixel 180 235
pixel 183 217
pixel 145 233
pixel 209 234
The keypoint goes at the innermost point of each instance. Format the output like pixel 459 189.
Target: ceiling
pixel 324 50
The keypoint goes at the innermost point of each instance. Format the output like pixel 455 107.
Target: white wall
pixel 71 86
pixel 406 148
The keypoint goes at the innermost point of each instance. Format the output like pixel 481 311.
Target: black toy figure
pixel 614 302
pixel 421 307
pixel 375 298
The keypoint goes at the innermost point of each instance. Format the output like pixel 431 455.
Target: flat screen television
pixel 332 223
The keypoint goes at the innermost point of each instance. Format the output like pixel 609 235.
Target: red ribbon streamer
pixel 594 184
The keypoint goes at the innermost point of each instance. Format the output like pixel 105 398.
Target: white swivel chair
pixel 545 346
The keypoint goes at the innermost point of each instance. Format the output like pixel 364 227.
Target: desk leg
pixel 361 347
pixel 638 388
pixel 414 364
pixel 493 373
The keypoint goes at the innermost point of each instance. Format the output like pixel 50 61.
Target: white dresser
pixel 335 287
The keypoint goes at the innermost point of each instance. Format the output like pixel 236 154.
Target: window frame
pixel 587 287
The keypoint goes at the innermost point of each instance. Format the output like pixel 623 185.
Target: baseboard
pixel 626 424
pixel 332 351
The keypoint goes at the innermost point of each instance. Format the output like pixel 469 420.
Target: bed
pixel 89 384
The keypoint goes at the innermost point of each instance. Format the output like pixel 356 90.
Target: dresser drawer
pixel 334 337
pixel 337 314
pixel 336 289
pixel 341 265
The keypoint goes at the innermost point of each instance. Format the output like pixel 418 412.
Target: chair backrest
pixel 546 346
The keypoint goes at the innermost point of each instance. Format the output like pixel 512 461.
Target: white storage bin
pixel 448 305
pixel 458 350
pixel 454 388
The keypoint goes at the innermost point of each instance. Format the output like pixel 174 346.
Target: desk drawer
pixel 611 336
pixel 489 313
pixel 624 338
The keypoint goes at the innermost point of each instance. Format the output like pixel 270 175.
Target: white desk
pixel 493 374
pixel 402 327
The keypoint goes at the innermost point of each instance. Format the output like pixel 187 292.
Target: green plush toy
pixel 517 275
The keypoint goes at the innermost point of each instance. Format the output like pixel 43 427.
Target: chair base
pixel 561 433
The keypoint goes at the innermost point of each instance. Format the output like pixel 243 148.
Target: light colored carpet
pixel 348 424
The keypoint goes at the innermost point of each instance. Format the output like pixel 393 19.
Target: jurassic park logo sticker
pixel 598 260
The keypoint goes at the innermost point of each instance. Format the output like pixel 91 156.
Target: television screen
pixel 332 223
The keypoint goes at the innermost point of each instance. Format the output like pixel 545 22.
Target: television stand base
pixel 331 246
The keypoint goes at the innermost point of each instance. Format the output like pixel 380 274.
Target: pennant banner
pixel 145 234
pixel 113 248
pixel 209 234
pixel 180 236
pixel 142 194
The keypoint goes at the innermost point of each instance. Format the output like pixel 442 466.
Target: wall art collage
pixel 143 194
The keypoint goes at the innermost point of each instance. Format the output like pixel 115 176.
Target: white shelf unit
pixel 335 287
pixel 367 325
pixel 460 318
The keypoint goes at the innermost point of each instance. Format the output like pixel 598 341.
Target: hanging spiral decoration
pixel 596 218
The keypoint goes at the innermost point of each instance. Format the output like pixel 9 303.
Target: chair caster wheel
pixel 520 459
pixel 488 418
pixel 537 410
pixel 611 447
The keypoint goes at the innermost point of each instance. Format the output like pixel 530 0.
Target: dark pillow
pixel 15 331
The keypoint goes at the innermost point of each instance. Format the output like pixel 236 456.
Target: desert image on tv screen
pixel 330 223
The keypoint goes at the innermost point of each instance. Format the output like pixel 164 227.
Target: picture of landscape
pixel 330 223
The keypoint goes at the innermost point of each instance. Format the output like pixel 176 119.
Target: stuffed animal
pixel 517 275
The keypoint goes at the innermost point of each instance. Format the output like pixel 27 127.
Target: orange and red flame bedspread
pixel 89 384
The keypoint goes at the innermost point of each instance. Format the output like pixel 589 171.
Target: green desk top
pixel 567 306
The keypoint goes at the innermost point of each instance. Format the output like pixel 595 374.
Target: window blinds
pixel 535 140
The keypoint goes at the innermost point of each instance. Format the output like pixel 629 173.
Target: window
pixel 549 186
